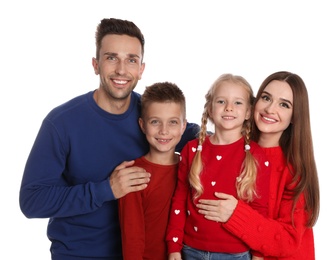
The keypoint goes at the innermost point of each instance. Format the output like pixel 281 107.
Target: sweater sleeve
pixel 260 203
pixel 178 214
pixel 132 225
pixel 272 237
pixel 44 190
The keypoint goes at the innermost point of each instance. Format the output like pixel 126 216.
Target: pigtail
pixel 197 164
pixel 246 182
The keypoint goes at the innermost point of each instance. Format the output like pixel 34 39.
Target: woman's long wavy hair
pixel 246 182
pixel 296 144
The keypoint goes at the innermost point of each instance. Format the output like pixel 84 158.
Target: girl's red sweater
pixel 222 165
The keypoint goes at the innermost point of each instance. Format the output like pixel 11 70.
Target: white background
pixel 46 49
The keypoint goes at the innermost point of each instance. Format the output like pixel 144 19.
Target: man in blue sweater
pixel 81 161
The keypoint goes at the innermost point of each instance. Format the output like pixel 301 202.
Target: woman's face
pixel 273 110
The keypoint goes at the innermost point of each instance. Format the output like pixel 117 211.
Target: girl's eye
pixel 173 122
pixel 221 101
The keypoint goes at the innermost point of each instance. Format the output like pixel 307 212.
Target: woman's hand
pixel 218 210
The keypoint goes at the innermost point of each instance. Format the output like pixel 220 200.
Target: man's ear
pixel 95 65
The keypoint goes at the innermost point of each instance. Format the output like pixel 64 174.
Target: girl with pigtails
pixel 225 161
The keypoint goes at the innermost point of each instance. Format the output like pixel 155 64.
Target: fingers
pixel 174 256
pixel 218 210
pixel 210 213
pixel 126 179
pixel 124 164
pixel 221 195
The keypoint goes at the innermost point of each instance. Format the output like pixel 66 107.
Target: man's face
pixel 119 65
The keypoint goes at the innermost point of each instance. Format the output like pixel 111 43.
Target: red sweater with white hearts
pixel 222 164
pixel 276 237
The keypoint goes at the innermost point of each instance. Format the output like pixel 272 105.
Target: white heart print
pixel 218 157
pixel 266 163
pixel 177 211
pixel 213 183
pixel 175 239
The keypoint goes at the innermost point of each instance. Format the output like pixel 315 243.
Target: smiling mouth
pixel 269 119
pixel 228 117
pixel 163 140
pixel 120 82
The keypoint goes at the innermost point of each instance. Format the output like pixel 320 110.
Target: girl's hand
pixel 175 256
pixel 218 210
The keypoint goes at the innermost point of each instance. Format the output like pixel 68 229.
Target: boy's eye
pixel 154 122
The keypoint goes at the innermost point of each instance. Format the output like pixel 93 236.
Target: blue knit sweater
pixel 66 178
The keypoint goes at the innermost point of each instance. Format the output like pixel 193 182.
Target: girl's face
pixel 230 107
pixel 273 111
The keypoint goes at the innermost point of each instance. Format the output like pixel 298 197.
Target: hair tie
pixel 247 147
pixel 199 148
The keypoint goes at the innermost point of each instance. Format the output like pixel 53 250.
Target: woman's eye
pixel 265 97
pixel 285 105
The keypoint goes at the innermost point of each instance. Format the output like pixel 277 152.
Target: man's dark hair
pixel 119 27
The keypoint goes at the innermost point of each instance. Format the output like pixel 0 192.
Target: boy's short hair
pixel 163 92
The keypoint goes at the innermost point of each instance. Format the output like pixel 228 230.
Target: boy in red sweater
pixel 144 214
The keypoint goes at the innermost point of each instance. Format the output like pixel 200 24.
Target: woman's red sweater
pixel 281 236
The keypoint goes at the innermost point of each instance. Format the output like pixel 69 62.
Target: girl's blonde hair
pixel 246 181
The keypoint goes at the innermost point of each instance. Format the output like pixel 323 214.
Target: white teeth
pixel 163 140
pixel 120 81
pixel 269 119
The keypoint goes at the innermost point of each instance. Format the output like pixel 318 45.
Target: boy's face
pixel 163 125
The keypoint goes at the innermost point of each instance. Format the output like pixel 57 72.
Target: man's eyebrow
pixel 130 55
